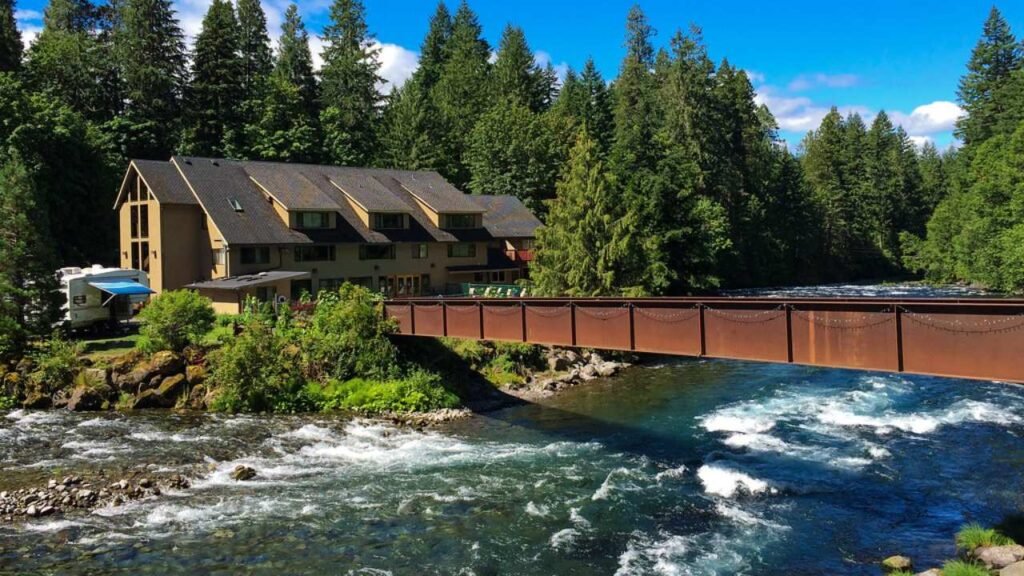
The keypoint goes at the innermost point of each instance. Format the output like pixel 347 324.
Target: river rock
pixel 163 363
pixel 896 563
pixel 558 363
pixel 151 399
pixel 37 401
pixel 197 397
pixel 172 387
pixel 195 374
pixel 930 572
pixel 606 369
pixel 1015 569
pixel 84 398
pixel 588 372
pixel 996 557
pixel 242 473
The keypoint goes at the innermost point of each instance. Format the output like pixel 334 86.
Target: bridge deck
pixel 963 338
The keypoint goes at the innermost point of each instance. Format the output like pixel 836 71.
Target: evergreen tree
pixel 283 131
pixel 824 162
pixel 516 75
pixel 28 292
pixel 409 122
pixel 66 60
pixel 10 38
pixel 588 246
pixel 349 86
pixel 995 57
pixel 459 94
pixel 434 50
pixel 585 99
pixel 150 51
pixel 934 180
pixel 511 151
pixel 214 95
pixel 254 46
pixel 294 60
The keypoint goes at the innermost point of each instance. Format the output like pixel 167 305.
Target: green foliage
pixel 10 38
pixel 29 301
pixel 961 568
pixel 994 58
pixel 411 130
pixel 8 402
pixel 282 130
pixel 349 86
pixel 56 361
pixel 176 319
pixel 974 536
pixel 214 96
pixel 295 62
pixel 418 392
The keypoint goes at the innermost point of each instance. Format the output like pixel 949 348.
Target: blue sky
pixel 904 56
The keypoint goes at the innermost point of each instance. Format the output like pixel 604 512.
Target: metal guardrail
pixel 965 338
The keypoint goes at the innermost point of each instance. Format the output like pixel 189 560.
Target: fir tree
pixel 28 292
pixel 215 94
pixel 283 130
pixel 150 51
pixel 294 60
pixel 995 57
pixel 935 182
pixel 254 46
pixel 434 50
pixel 458 94
pixel 409 123
pixel 10 38
pixel 349 86
pixel 516 75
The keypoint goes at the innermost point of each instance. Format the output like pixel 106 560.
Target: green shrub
pixel 974 536
pixel 56 361
pixel 173 320
pixel 961 568
pixel 8 402
pixel 418 392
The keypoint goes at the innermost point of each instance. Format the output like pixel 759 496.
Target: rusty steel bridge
pixel 962 338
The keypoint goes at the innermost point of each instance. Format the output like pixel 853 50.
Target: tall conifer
pixel 10 38
pixel 995 57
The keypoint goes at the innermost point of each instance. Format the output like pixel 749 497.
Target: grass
pixel 961 568
pixel 974 536
pixel 103 349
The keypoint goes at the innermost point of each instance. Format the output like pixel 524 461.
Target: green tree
pixel 294 60
pixel 283 130
pixel 516 75
pixel 253 45
pixel 995 57
pixel 434 50
pixel 349 86
pixel 410 132
pixel 28 292
pixel 214 95
pixel 511 151
pixel 459 93
pixel 10 38
pixel 150 51
pixel 176 319
pixel 934 178
pixel 584 98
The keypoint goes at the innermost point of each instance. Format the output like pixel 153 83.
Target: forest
pixel 668 178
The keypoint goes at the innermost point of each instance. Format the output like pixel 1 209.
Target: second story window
pixel 314 253
pixel 255 255
pixel 388 221
pixel 419 251
pixel 459 221
pixel 462 250
pixel 377 252
pixel 312 220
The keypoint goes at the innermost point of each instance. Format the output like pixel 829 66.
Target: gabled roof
pixel 164 180
pixel 239 198
pixel 508 217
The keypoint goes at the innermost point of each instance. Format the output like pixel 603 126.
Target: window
pixel 300 287
pixel 383 221
pixel 144 221
pixel 457 221
pixel 377 252
pixel 308 220
pixel 462 250
pixel 419 251
pixel 329 284
pixel 218 257
pixel 365 281
pixel 425 282
pixel 497 277
pixel 144 253
pixel 134 211
pixel 266 293
pixel 314 253
pixel 256 255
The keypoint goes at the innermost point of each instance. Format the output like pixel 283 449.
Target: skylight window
pixel 235 205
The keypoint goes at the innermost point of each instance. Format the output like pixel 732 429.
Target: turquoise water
pixel 691 467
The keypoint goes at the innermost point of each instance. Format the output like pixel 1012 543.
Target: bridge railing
pixel 965 338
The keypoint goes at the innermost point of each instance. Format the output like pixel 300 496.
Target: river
pixel 685 467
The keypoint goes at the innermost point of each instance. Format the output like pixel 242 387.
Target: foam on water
pixel 726 482
pixel 539 510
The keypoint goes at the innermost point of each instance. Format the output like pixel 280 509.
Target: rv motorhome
pixel 98 295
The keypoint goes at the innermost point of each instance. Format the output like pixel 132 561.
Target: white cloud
pixel 542 59
pixel 808 81
pixel 755 77
pixel 938 116
pixel 920 141
pixel 25 15
pixel 799 113
pixel 396 65
pixel 28 22
pixel 29 33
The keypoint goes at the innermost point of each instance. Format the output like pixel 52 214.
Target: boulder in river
pixel 242 473
pixel 37 401
pixel 997 557
pixel 896 563
pixel 1015 569
pixel 172 387
pixel 151 399
pixel 161 364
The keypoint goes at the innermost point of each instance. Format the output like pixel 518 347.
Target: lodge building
pixel 234 229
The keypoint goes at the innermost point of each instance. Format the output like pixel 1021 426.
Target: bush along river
pixel 685 467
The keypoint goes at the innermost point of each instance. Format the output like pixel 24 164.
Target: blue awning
pixel 122 287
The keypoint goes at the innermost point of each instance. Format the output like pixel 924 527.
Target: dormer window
pixel 390 221
pixel 459 221
pixel 312 220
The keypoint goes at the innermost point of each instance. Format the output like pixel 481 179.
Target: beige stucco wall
pixel 181 245
pixel 231 301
